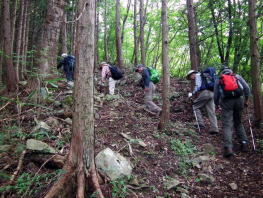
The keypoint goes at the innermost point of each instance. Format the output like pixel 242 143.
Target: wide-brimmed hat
pixel 190 73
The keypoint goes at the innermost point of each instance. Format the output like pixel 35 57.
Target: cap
pixel 138 66
pixel 190 73
pixel 64 55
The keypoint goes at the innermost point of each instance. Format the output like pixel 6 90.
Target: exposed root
pixel 19 166
pixel 95 182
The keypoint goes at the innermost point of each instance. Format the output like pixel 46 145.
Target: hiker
pixel 148 87
pixel 203 92
pixel 231 93
pixel 112 73
pixel 68 64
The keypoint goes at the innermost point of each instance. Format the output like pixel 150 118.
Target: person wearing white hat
pixel 68 65
pixel 204 98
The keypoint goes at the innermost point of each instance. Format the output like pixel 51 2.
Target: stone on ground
pixel 36 145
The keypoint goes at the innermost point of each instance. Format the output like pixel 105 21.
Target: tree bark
pixel 12 82
pixel 49 36
pixel 142 22
pixel 192 35
pixel 124 20
pixel 255 62
pixel 230 34
pixel 135 33
pixel 80 164
pixel 106 55
pixel 165 116
pixel 118 35
pixel 64 33
pixel 96 59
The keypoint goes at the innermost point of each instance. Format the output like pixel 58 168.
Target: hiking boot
pixel 228 152
pixel 244 147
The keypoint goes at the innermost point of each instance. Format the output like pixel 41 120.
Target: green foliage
pixel 182 148
pixel 119 189
pixel 260 145
pixel 27 184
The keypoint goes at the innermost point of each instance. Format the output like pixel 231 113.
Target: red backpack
pixel 230 85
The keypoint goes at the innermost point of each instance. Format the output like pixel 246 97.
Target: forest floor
pixel 177 162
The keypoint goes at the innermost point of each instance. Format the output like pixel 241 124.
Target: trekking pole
pixel 196 120
pixel 250 127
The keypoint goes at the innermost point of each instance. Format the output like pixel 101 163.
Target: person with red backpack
pixel 204 97
pixel 232 93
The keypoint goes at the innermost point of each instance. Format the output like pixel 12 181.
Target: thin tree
pixel 106 54
pixel 64 33
pixel 80 164
pixel 192 35
pixel 12 81
pixel 165 116
pixel 255 62
pixel 135 54
pixel 118 35
pixel 142 22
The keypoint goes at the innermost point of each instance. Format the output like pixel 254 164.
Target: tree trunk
pixel 124 20
pixel 165 116
pixel 8 57
pixel 64 34
pixel 96 59
pixel 135 33
pixel 1 44
pixel 192 35
pixel 80 164
pixel 255 62
pixel 13 23
pixel 106 55
pixel 49 36
pixel 19 38
pixel 230 34
pixel 118 35
pixel 142 22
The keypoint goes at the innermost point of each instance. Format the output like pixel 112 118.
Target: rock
pixel 206 178
pixel 5 148
pixel 208 148
pixel 53 122
pixel 233 186
pixel 113 164
pixel 68 121
pixel 184 195
pixel 171 183
pixel 42 126
pixel 37 145
pixel 97 116
pixel 196 162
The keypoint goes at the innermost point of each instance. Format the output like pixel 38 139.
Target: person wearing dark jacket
pixel 148 87
pixel 68 64
pixel 232 109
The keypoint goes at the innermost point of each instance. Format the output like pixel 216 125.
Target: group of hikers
pixel 228 91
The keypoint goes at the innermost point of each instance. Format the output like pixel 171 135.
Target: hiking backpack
pixel 154 75
pixel 116 72
pixel 70 61
pixel 208 76
pixel 230 86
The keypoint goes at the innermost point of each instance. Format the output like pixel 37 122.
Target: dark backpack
pixel 230 86
pixel 70 61
pixel 116 72
pixel 209 77
pixel 154 75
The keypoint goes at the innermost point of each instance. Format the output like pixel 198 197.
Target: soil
pixel 154 164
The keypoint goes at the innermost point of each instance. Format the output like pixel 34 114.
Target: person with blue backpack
pixel 149 88
pixel 112 73
pixel 68 63
pixel 204 97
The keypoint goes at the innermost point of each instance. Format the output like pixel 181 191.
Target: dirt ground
pixel 153 165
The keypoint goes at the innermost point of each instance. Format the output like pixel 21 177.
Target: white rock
pixel 233 186
pixel 37 145
pixel 113 164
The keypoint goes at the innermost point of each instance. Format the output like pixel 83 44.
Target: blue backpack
pixel 209 77
pixel 70 61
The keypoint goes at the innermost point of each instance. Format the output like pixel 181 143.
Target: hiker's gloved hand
pixel 190 95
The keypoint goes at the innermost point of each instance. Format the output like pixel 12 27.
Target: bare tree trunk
pixel 135 33
pixel 1 43
pixel 106 55
pixel 142 22
pixel 49 36
pixel 96 59
pixel 230 35
pixel 192 35
pixel 8 57
pixel 165 116
pixel 13 23
pixel 118 35
pixel 80 163
pixel 64 34
pixel 124 20
pixel 255 62
pixel 19 38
